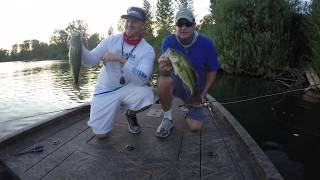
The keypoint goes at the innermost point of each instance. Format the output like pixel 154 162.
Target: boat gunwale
pixel 266 169
pixel 10 138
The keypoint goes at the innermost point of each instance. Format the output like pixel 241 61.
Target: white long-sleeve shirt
pixel 137 69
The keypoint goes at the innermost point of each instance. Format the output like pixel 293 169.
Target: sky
pixel 37 19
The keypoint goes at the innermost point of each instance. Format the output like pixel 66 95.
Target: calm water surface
pixel 31 91
pixel 290 138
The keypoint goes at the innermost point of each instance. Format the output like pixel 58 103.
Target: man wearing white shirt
pixel 128 65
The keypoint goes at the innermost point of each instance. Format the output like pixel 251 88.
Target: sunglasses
pixel 187 24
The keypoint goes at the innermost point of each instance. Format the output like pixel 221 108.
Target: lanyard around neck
pixel 122 79
pixel 130 51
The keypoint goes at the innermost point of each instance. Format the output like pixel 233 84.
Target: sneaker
pixel 133 125
pixel 164 128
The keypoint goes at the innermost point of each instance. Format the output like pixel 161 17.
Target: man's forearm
pixel 211 76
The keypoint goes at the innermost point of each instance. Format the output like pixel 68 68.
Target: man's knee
pixel 195 128
pixel 194 125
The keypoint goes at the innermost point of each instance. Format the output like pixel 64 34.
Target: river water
pixel 33 91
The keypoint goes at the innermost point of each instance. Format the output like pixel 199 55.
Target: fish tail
pixel 76 81
pixel 76 87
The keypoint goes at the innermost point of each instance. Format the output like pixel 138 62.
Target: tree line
pixel 259 37
pixel 57 47
pixel 253 37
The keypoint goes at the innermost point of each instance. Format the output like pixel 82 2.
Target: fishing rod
pixel 255 98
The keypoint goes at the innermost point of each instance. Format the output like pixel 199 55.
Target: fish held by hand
pixel 75 50
pixel 184 70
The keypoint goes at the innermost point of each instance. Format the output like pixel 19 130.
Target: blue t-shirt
pixel 201 54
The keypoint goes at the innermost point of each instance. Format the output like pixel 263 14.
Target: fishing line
pixel 262 96
pixel 224 102
pixel 268 95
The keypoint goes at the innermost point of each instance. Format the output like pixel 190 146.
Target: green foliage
pixel 110 31
pixel 59 40
pixel 164 16
pixel 93 41
pixel 14 52
pixel 59 44
pixel 39 50
pixel 78 26
pixel 185 3
pixel 148 34
pixel 211 7
pixel 314 25
pixel 206 26
pixel 58 47
pixel 121 24
pixel 164 22
pixel 255 36
pixel 4 55
pixel 25 49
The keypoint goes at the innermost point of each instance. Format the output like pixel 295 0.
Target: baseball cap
pixel 135 12
pixel 186 14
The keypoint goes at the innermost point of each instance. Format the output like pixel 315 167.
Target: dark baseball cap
pixel 135 12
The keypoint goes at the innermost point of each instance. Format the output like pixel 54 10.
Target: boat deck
pixel 70 151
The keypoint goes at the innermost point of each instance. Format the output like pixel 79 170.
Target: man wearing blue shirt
pixel 202 55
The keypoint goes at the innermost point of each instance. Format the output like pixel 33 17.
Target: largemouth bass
pixel 75 50
pixel 185 71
